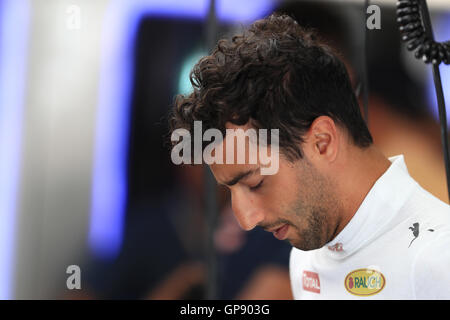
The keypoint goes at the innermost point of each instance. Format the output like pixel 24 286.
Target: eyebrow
pixel 240 176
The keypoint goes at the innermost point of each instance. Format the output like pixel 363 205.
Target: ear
pixel 322 139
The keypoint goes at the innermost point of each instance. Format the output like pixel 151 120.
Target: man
pixel 360 226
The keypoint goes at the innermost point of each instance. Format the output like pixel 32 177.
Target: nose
pixel 246 212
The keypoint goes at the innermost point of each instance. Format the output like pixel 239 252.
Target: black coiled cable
pixel 413 31
pixel 416 29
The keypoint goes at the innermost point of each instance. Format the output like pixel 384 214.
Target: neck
pixel 363 168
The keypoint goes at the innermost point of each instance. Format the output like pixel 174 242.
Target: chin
pixel 304 246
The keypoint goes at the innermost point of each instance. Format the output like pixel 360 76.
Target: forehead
pixel 229 169
pixel 227 173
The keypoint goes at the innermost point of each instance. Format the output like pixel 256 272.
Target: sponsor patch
pixel 364 282
pixel 311 281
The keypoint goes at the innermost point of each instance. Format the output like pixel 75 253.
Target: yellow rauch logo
pixel 364 282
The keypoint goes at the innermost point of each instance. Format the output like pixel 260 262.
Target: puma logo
pixel 415 231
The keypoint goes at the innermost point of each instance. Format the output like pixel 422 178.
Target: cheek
pixel 285 194
pixel 275 203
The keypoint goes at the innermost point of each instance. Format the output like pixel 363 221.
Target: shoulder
pixel 423 202
pixel 297 256
pixel 299 260
pixel 425 213
pixel 430 275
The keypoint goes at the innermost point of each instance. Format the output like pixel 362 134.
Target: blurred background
pixel 86 178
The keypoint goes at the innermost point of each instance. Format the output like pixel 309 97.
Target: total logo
pixel 311 282
pixel 364 282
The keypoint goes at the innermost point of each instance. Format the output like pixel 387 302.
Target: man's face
pixel 297 203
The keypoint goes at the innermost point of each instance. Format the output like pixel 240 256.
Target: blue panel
pixel 14 22
pixel 441 30
pixel 109 193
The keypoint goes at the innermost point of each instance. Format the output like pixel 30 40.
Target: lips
pixel 281 233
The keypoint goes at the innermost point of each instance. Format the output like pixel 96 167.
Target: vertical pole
pixel 211 208
pixel 365 77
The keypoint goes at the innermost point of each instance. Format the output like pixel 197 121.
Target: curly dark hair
pixel 277 75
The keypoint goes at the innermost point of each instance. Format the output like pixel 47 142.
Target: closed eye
pixel 257 186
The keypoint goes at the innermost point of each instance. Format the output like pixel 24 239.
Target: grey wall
pixel 59 121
